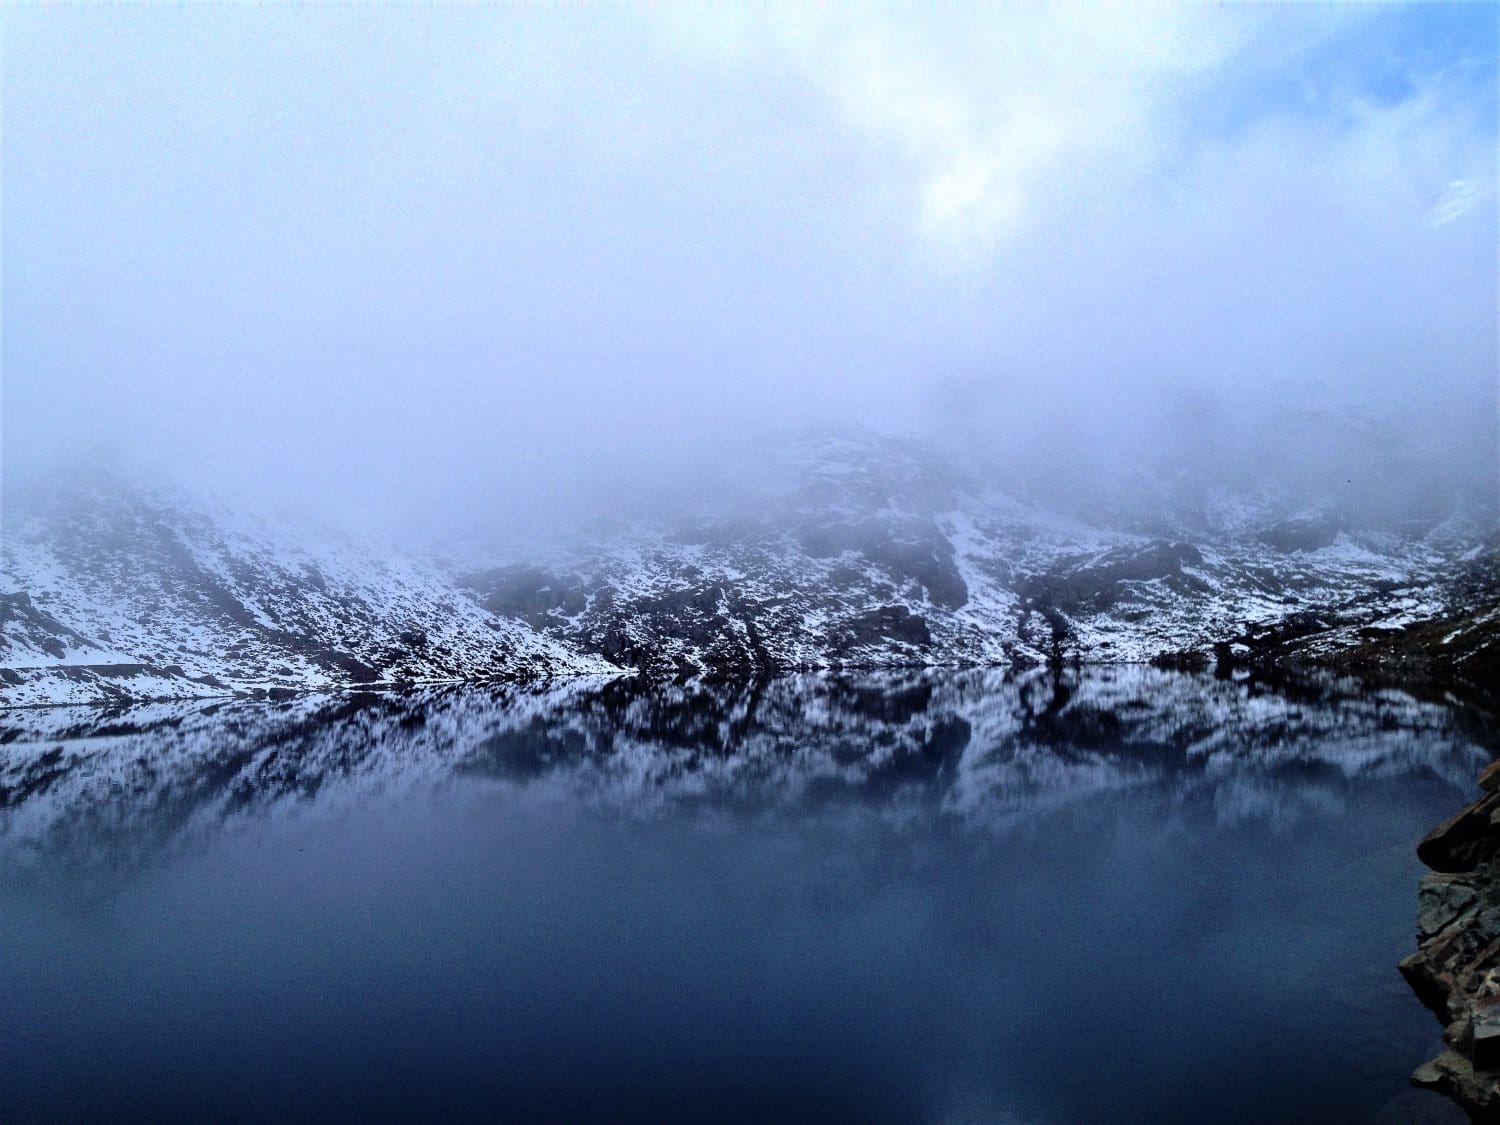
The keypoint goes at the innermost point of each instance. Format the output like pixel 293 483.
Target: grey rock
pixel 1441 899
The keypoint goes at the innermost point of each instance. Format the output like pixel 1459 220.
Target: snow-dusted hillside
pixel 867 553
pixel 114 593
pixel 876 554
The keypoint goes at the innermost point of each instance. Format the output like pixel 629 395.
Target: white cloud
pixel 1460 197
pixel 525 241
pixel 983 110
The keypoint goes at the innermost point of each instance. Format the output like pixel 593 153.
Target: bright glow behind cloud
pixel 985 111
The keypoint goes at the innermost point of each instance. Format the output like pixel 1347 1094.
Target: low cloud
pixel 419 270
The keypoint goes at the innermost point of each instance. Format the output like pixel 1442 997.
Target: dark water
pixel 1126 895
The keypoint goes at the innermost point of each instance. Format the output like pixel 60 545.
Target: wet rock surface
pixel 1456 968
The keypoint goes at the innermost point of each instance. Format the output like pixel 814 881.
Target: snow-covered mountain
pixel 865 552
pixel 115 593
pixel 876 553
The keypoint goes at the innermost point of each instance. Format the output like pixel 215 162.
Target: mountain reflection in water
pixel 1122 894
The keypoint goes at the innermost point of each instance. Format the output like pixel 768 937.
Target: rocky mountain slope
pixel 113 594
pixel 856 552
pixel 873 553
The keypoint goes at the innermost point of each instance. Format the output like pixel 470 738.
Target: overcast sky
pixel 411 265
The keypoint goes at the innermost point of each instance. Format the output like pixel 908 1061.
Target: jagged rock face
pixel 1456 968
pixel 1465 841
pixel 866 554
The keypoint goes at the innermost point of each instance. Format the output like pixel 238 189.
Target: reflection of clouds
pixel 1032 781
pixel 991 750
pixel 1252 799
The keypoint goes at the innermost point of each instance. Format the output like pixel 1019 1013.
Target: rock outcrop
pixel 1456 968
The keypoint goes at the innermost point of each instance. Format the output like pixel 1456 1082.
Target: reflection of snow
pixel 991 751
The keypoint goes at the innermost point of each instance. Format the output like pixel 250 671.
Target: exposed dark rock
pixel 1463 841
pixel 528 592
pixel 1452 652
pixel 1441 898
pixel 1186 661
pixel 1308 533
pixel 1456 968
pixel 23 621
pixel 874 555
pixel 1454 1075
pixel 888 623
pixel 357 670
pixel 910 548
pixel 1101 583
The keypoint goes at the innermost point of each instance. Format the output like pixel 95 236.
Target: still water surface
pixel 1119 895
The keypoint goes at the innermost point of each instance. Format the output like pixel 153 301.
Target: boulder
pixel 1456 968
pixel 1441 899
pixel 1465 840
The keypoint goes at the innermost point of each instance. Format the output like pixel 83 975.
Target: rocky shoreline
pixel 1456 968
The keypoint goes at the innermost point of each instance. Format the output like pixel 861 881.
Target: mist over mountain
pixel 847 550
pixel 382 346
pixel 778 562
pixel 435 275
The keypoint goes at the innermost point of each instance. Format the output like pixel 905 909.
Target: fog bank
pixel 425 270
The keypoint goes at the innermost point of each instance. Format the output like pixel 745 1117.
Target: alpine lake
pixel 1114 894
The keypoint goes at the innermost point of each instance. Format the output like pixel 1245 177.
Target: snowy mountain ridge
pixel 866 554
pixel 121 595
